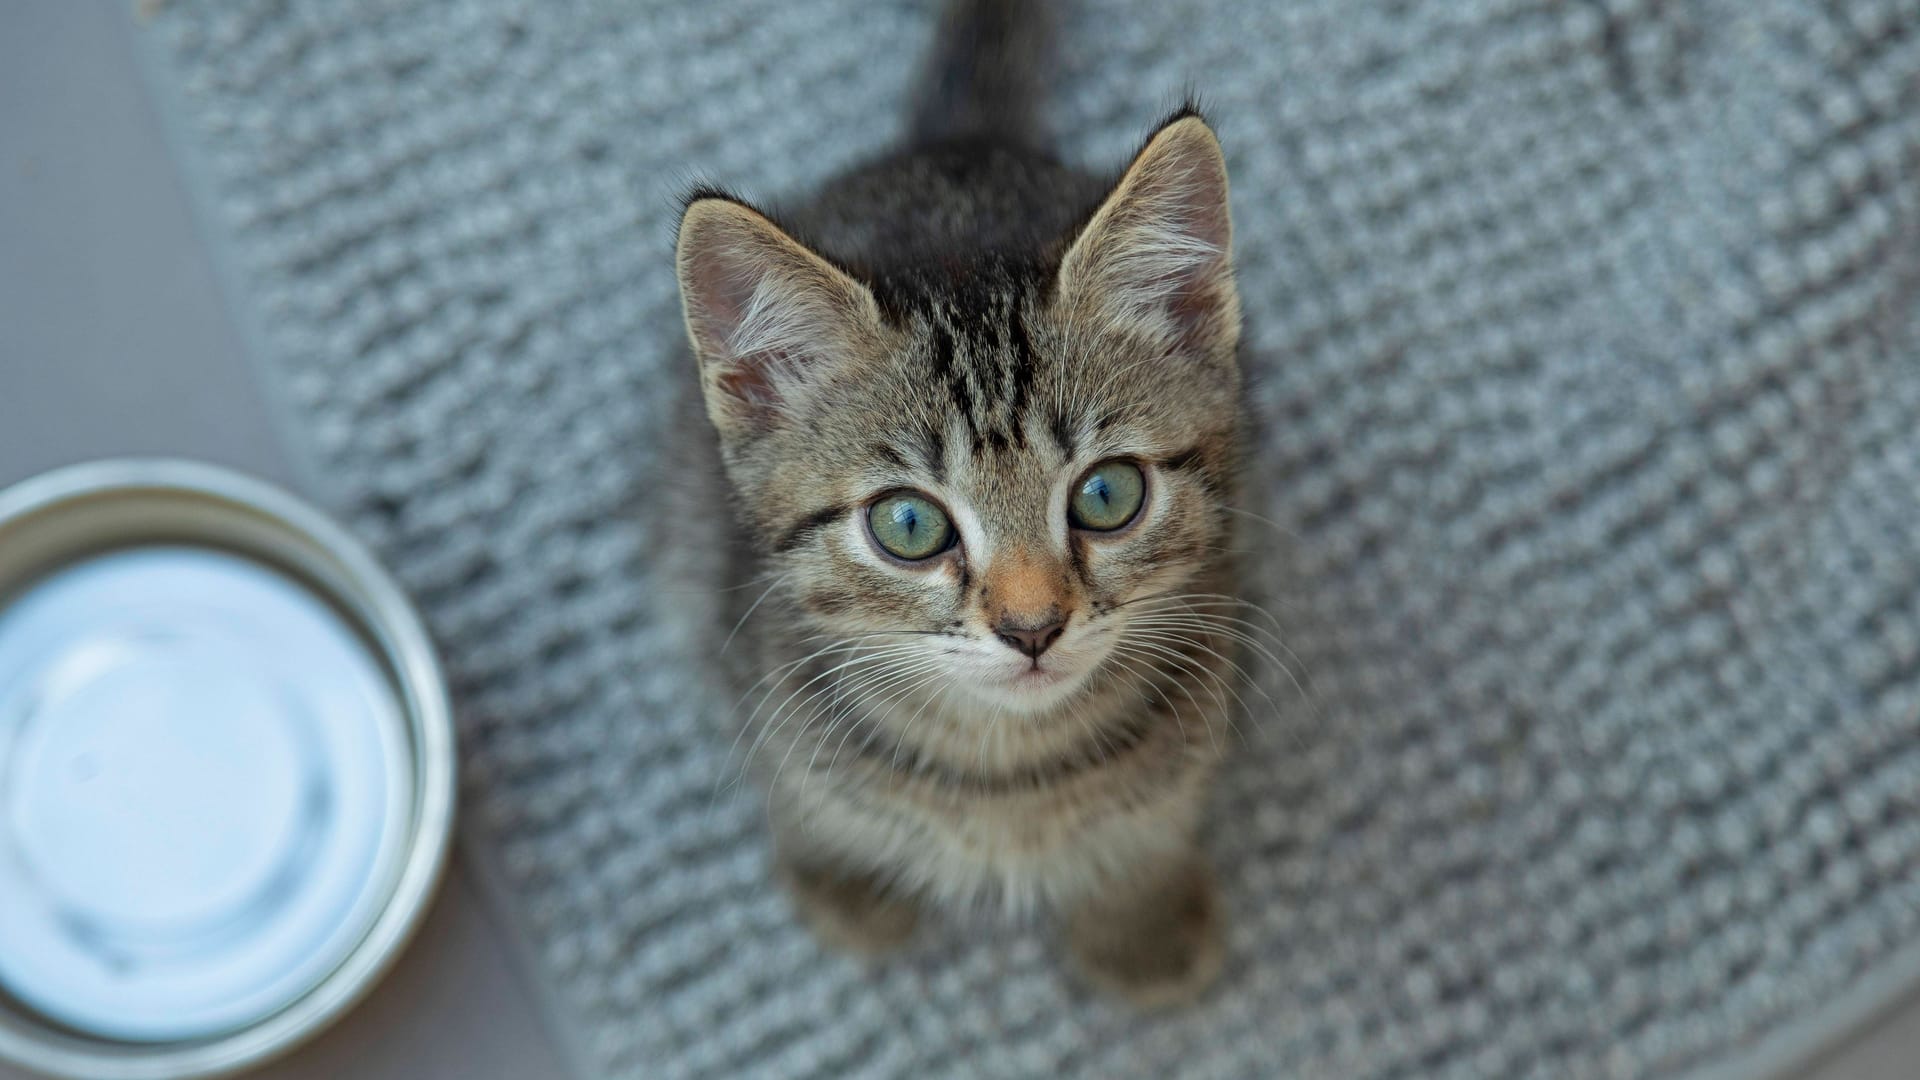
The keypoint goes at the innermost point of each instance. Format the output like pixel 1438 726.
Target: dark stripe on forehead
pixel 943 365
pixel 985 330
pixel 981 351
pixel 800 531
pixel 888 454
pixel 946 368
pixel 933 453
pixel 991 369
pixel 1002 365
pixel 1023 362
pixel 1062 431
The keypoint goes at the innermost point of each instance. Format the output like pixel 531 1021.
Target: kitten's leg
pixel 1155 939
pixel 846 909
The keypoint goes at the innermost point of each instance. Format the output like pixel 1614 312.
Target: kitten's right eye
pixel 909 526
pixel 1108 496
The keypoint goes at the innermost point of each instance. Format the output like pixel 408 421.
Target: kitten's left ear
pixel 1157 257
pixel 772 323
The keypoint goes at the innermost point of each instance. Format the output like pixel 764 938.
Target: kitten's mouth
pixel 1032 688
pixel 1037 676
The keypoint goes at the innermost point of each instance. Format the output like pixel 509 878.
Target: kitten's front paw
pixel 1158 946
pixel 850 911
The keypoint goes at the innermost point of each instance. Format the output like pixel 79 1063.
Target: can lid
pixel 203 793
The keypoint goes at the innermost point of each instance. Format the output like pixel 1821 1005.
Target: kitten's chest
pixel 1049 847
pixel 1045 834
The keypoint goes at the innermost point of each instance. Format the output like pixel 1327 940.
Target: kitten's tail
pixel 984 75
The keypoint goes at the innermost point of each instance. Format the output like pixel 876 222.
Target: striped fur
pixel 970 319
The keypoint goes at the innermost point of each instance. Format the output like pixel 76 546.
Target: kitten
pixel 981 413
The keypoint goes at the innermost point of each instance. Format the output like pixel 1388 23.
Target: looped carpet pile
pixel 1587 350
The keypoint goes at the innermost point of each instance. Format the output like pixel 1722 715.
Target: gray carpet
pixel 1588 340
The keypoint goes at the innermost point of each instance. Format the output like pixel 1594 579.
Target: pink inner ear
pixel 718 288
pixel 1195 300
pixel 1193 308
pixel 1160 250
pixel 750 378
pixel 720 283
pixel 1192 293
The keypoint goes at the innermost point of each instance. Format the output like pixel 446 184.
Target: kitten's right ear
pixel 768 319
pixel 1157 256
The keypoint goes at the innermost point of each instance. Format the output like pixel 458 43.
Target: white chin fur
pixel 1002 685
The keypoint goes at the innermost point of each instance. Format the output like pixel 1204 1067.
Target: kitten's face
pixel 976 487
pixel 1104 486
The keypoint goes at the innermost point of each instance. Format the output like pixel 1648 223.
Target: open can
pixel 227 772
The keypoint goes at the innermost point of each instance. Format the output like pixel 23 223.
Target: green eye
pixel 1108 496
pixel 909 526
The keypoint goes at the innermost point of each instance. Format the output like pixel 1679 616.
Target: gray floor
pixel 114 340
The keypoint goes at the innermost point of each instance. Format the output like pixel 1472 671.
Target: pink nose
pixel 1031 642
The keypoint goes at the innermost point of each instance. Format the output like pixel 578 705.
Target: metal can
pixel 227 771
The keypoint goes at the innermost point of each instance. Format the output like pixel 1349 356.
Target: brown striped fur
pixel 971 319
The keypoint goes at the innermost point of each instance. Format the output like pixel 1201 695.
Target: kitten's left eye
pixel 1108 496
pixel 910 526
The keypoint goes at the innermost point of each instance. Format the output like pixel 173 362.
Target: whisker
pixel 709 590
pixel 755 606
pixel 899 738
pixel 1188 668
pixel 832 684
pixel 899 673
pixel 1170 638
pixel 774 721
pixel 1283 530
pixel 1216 624
pixel 773 674
pixel 844 689
pixel 992 726
pixel 1202 599
pixel 1257 688
pixel 1197 602
pixel 1094 732
pixel 1148 687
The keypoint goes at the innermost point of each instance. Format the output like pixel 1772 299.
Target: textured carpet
pixel 1588 341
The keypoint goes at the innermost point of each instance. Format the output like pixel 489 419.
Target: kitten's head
pixel 1003 462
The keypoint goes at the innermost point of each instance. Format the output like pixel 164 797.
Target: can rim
pixel 397 632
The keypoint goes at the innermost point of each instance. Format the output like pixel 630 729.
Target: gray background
pixel 114 340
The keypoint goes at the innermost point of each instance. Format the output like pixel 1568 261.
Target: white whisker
pixel 775 721
pixel 897 673
pixel 1187 667
pixel 1224 627
pixel 751 609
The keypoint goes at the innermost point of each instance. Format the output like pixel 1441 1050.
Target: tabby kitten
pixel 981 413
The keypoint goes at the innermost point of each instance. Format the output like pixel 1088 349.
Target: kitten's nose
pixel 1033 641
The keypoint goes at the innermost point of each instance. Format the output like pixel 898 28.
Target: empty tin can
pixel 226 771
